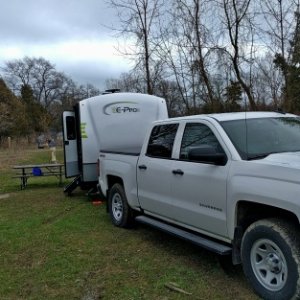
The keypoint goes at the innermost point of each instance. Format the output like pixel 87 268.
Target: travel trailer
pixel 110 121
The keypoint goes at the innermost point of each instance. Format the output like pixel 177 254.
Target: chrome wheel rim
pixel 269 265
pixel 117 206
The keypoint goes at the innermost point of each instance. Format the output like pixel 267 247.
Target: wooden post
pixel 9 142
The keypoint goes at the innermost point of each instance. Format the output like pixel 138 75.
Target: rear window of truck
pixel 161 141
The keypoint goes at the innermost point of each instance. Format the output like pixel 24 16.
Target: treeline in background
pixel 212 55
pixel 33 95
pixel 201 56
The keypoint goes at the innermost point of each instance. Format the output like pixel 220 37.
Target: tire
pixel 120 212
pixel 270 256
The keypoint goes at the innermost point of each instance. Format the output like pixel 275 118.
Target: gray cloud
pixel 40 28
pixel 44 20
pixel 95 73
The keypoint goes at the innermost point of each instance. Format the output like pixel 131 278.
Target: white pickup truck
pixel 227 182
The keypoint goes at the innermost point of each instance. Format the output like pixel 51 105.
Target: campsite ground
pixel 58 247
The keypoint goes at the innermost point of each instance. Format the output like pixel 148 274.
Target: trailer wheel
pixel 271 257
pixel 120 212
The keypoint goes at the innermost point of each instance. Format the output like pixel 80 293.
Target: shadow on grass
pixel 181 248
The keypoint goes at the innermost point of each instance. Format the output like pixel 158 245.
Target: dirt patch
pixel 92 290
pixel 4 196
pixel 92 294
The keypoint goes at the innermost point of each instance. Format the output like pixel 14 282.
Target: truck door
pixel 199 189
pixel 154 171
pixel 70 144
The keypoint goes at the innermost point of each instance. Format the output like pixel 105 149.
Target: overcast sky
pixel 69 33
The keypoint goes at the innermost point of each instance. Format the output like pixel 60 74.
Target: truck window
pixel 161 141
pixel 71 130
pixel 259 137
pixel 195 135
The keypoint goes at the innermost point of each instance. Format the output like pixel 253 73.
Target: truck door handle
pixel 66 143
pixel 178 172
pixel 143 167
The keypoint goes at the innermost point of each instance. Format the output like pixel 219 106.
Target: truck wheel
pixel 271 255
pixel 120 212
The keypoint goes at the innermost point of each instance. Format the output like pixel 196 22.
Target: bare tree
pixel 278 28
pixel 171 49
pixel 237 26
pixel 127 82
pixel 268 81
pixel 44 91
pixel 195 33
pixel 207 49
pixel 185 45
pixel 137 18
pixel 18 72
pixel 39 73
pixel 48 85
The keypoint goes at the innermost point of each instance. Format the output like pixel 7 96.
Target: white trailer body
pixel 111 121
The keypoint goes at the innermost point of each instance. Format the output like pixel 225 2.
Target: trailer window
pixel 161 141
pixel 71 128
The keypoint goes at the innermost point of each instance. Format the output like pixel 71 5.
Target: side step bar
pixel 185 235
pixel 69 188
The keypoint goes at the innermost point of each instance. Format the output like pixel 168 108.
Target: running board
pixel 206 243
pixel 69 188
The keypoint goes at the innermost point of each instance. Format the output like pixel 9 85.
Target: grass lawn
pixel 58 247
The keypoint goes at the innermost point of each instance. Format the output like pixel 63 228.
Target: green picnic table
pixel 26 171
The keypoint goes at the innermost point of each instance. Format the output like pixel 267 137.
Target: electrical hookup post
pixel 52 147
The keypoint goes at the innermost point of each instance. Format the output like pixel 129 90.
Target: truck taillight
pixel 98 167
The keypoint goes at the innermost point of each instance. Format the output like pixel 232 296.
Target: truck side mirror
pixel 207 154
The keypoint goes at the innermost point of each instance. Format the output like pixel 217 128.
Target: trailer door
pixel 70 144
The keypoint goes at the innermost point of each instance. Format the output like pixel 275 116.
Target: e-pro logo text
pixel 121 108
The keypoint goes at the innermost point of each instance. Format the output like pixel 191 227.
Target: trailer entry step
pixel 69 188
pixel 198 240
